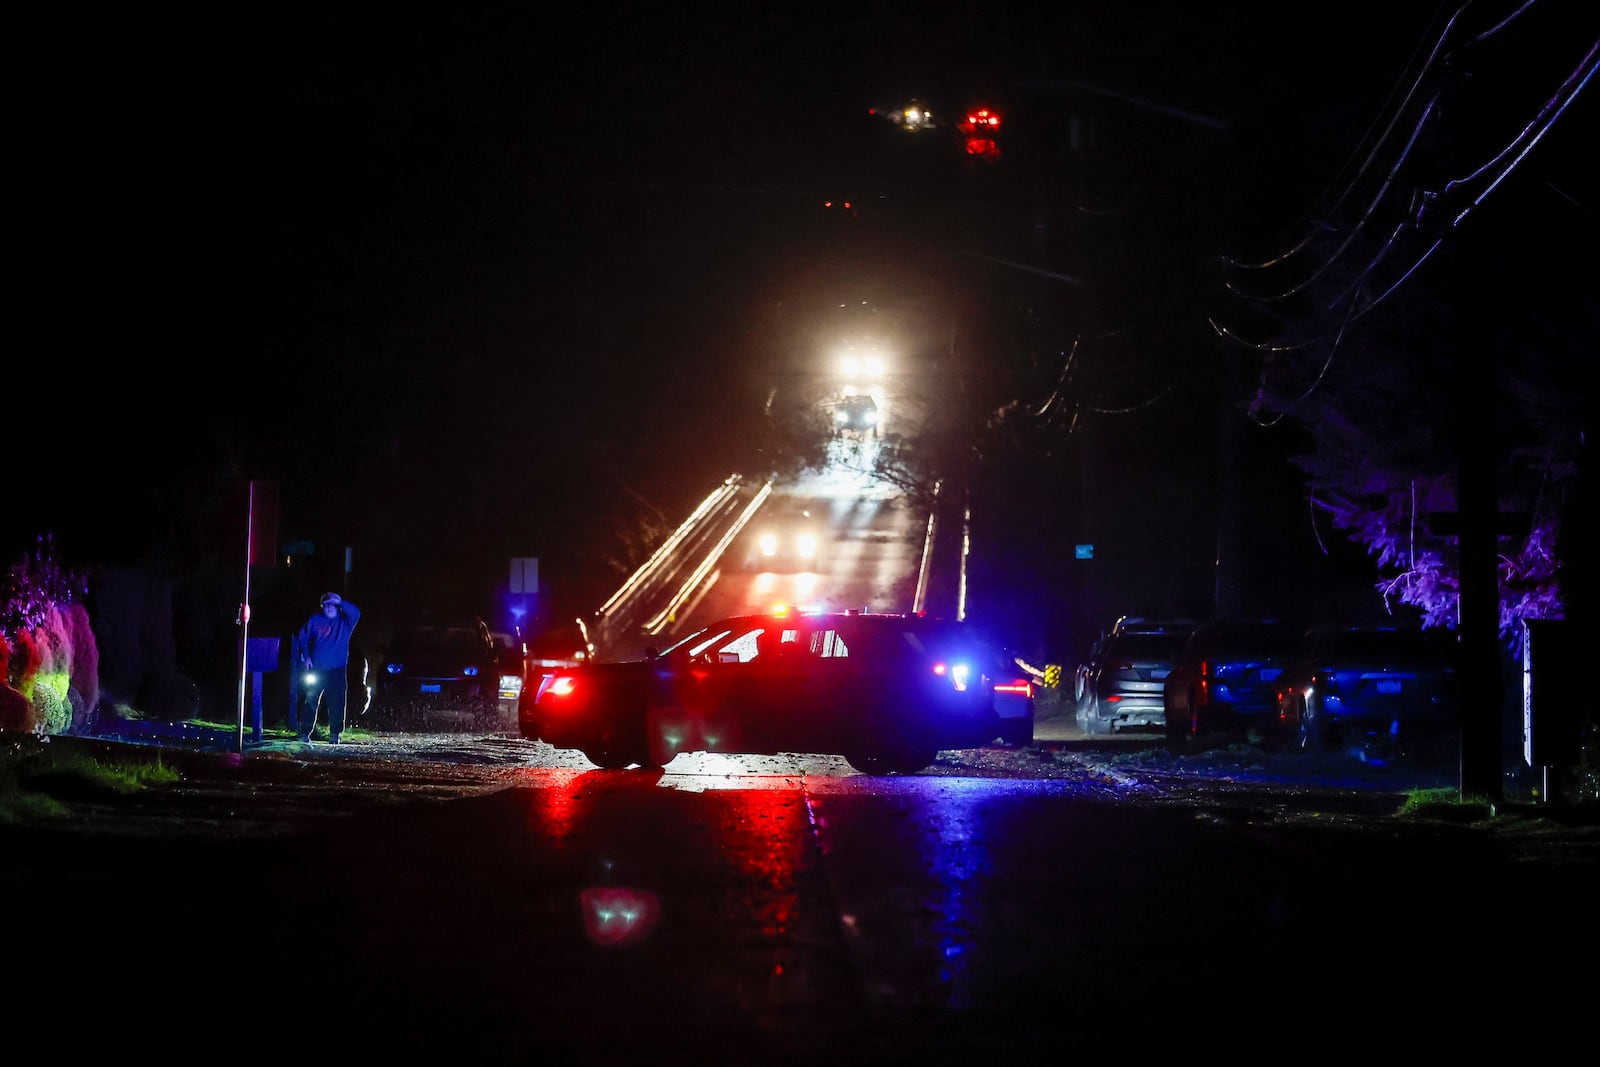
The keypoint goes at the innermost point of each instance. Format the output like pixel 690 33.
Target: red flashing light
pixel 980 120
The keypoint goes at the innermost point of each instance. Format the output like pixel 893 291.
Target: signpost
pixel 261 533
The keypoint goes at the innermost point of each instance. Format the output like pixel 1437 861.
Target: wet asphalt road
pixel 486 899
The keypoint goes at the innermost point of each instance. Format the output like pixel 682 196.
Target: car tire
pixel 1179 740
pixel 1019 733
pixel 1308 736
pixel 906 760
pixel 611 753
pixel 1094 727
pixel 608 759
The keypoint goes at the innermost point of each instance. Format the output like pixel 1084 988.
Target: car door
pixel 775 688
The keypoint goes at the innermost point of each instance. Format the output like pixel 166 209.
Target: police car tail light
pixel 959 674
pixel 545 681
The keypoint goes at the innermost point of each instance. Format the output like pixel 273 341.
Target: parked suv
pixel 1122 690
pixel 1224 684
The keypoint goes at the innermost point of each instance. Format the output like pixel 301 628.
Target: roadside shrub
pixel 43 630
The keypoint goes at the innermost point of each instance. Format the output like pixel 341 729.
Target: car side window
pixel 744 646
pixel 829 644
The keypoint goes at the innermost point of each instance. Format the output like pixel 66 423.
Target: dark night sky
pixel 461 278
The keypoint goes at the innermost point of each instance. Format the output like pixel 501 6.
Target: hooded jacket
pixel 325 641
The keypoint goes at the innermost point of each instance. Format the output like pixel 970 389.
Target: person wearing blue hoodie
pixel 321 655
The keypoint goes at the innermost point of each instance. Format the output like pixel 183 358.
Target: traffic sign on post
pixel 525 574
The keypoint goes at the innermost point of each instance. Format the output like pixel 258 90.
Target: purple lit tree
pixel 1381 402
pixel 1421 276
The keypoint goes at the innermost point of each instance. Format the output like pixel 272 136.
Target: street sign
pixel 525 574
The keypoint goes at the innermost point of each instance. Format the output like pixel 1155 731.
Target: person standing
pixel 322 654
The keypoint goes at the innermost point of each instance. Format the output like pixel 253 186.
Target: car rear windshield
pixel 1147 648
pixel 1244 638
pixel 437 638
pixel 1381 644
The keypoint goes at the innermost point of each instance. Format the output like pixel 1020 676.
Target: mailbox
pixel 1552 702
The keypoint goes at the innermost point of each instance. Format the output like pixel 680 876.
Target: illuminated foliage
pixel 51 658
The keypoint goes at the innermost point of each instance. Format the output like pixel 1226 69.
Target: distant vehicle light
pixel 981 119
pixel 869 366
pixel 855 412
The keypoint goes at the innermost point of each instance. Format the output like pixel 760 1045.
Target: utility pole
pixel 1481 687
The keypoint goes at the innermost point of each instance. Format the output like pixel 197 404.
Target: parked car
pixel 1122 687
pixel 1095 654
pixel 513 668
pixel 557 646
pixel 1224 683
pixel 886 691
pixel 1388 690
pixel 441 662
